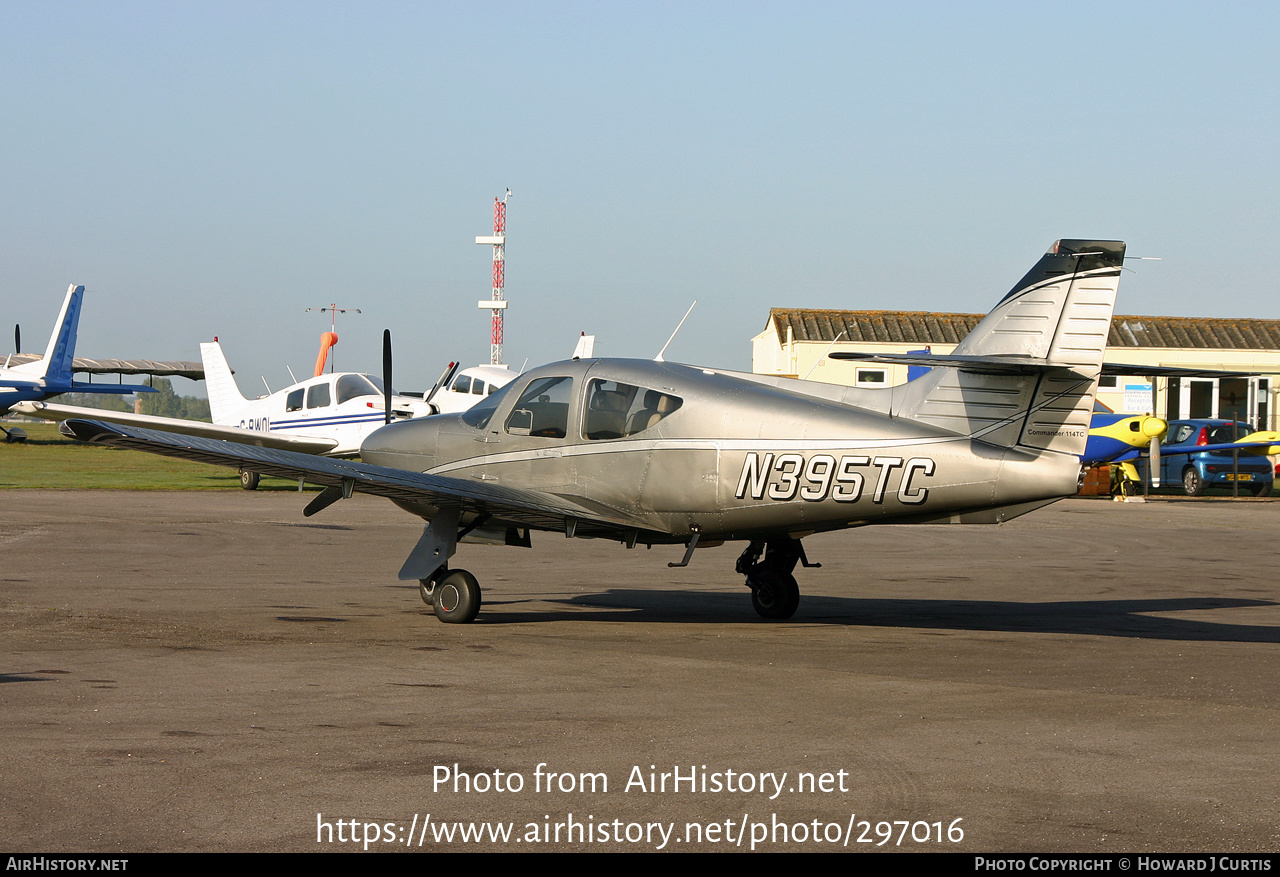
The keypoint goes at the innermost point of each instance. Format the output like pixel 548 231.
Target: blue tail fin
pixel 61 353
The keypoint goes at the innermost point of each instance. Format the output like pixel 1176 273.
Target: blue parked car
pixel 1199 471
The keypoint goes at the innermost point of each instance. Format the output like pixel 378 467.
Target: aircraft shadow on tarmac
pixel 1123 618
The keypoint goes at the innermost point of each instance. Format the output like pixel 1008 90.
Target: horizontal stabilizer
pixel 1022 365
pixel 1167 371
pixel 982 365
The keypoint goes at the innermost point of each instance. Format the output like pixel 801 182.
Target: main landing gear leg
pixel 454 594
pixel 774 592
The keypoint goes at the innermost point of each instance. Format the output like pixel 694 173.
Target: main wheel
pixel 456 597
pixel 249 480
pixel 426 590
pixel 1192 483
pixel 775 597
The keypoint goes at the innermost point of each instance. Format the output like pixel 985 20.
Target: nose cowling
pixel 408 444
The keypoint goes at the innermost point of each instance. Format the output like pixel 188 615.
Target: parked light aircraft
pixel 52 374
pixel 657 453
pixel 469 386
pixel 328 414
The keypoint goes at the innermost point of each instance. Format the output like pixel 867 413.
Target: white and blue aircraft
pixel 327 414
pixel 52 374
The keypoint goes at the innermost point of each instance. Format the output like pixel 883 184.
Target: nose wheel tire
pixel 775 597
pixel 456 597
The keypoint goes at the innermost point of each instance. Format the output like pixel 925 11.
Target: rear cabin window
pixel 318 396
pixel 617 410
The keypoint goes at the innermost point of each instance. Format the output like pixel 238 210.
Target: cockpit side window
pixel 462 384
pixel 616 410
pixel 542 409
pixel 294 400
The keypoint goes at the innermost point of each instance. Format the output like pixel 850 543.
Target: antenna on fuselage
pixel 659 358
pixel 819 360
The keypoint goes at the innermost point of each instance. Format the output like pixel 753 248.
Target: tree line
pixel 162 403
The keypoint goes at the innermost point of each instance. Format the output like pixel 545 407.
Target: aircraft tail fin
pixel 225 398
pixel 59 356
pixel 1027 374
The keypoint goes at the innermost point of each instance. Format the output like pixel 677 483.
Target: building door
pixel 1245 399
pixel 1259 396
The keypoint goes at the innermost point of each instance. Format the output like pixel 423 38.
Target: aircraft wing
pixel 1254 448
pixel 519 506
pixel 54 411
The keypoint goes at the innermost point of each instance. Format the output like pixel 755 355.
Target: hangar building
pixel 796 342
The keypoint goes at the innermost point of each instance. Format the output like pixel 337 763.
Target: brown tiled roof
pixel 923 327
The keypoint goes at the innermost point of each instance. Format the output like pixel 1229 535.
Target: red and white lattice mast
pixel 498 304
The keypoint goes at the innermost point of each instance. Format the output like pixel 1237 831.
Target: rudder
pixel 225 399
pixel 1055 322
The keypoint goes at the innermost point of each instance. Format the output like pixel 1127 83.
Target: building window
pixel 870 377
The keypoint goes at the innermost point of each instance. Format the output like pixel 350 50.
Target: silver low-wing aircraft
pixel 657 453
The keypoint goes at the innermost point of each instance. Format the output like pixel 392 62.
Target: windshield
pixel 355 386
pixel 478 415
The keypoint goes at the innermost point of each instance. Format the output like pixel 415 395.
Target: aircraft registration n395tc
pixel 650 453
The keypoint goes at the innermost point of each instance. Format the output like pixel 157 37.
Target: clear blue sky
pixel 217 168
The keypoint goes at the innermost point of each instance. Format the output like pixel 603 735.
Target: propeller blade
pixel 1154 462
pixel 1156 428
pixel 386 371
pixel 449 371
pixel 17 338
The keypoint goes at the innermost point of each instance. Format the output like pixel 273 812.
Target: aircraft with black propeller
pixel 656 453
